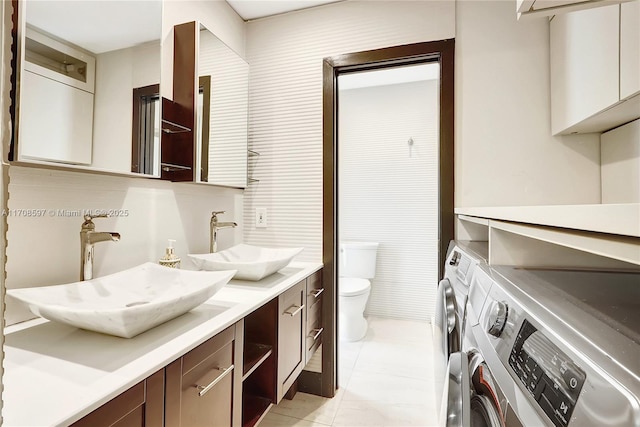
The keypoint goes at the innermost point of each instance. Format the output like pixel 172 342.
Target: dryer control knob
pixel 497 318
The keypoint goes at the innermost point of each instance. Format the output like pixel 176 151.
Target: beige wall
pixel 505 154
pixel 117 74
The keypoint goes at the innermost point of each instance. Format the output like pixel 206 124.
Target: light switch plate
pixel 261 217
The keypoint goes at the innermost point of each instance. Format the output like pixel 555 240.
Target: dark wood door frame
pixel 441 51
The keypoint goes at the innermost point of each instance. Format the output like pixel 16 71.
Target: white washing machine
pixel 473 394
pixel 462 259
pixel 562 347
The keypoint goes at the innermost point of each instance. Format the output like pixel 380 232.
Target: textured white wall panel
pixel 388 191
pixel 285 53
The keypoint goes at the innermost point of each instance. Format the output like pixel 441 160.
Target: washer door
pixel 485 403
pixel 456 401
pixel 446 332
pixel 446 321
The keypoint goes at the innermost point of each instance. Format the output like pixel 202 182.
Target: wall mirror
pixel 88 85
pixel 221 113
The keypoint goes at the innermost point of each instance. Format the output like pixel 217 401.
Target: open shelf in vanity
pixel 259 372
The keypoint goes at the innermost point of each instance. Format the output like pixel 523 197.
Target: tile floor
pixel 385 380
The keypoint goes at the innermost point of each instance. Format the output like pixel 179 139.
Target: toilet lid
pixel 350 286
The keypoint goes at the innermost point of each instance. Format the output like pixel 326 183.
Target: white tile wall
pixel 285 54
pixel 388 190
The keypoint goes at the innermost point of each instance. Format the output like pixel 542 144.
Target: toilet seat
pixel 352 286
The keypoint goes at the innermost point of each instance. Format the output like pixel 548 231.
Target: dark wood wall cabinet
pixel 233 378
pixel 177 152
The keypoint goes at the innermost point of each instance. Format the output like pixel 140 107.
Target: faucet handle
pixel 214 215
pixel 89 217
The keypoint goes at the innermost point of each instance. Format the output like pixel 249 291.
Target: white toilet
pixel 357 265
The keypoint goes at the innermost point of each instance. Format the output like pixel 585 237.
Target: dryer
pixel 462 259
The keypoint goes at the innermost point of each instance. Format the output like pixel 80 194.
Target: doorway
pixel 440 52
pixel 388 191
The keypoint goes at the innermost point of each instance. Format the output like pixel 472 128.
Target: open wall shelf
pixel 600 236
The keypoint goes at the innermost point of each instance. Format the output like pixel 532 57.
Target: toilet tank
pixel 358 259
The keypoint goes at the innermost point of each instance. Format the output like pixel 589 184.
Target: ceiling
pixel 253 9
pixel 389 76
pixel 99 25
pixel 120 24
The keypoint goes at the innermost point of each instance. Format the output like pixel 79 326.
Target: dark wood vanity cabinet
pixel 314 328
pixel 200 386
pixel 233 378
pixel 200 389
pixel 291 343
pixel 260 363
pixel 141 405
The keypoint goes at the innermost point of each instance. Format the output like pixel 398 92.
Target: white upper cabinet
pixel 584 65
pixel 629 49
pixel 526 8
pixel 594 69
pixel 541 8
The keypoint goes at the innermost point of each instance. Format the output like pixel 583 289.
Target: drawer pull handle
pixel 316 292
pixel 316 333
pixel 202 389
pixel 296 309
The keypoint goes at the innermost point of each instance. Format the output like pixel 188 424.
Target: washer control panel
pixel 547 373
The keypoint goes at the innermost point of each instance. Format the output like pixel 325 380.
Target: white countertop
pixel 56 374
pixel 622 219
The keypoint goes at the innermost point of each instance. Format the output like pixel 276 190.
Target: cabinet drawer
pixel 206 349
pixel 315 289
pixel 207 391
pixel 199 386
pixel 291 342
pixel 141 405
pixel 121 408
pixel 314 332
pixel 314 317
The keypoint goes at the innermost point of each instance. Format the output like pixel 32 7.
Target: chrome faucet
pixel 214 227
pixel 89 237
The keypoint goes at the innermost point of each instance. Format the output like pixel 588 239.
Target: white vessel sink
pixel 251 262
pixel 127 303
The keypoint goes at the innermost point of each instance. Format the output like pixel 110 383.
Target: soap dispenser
pixel 170 259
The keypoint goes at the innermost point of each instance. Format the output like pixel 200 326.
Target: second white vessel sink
pixel 251 262
pixel 126 303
